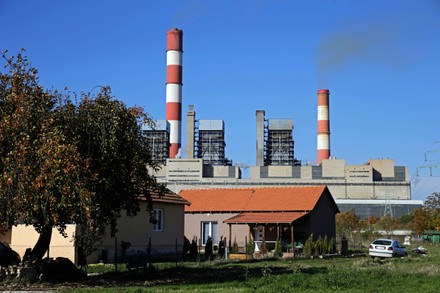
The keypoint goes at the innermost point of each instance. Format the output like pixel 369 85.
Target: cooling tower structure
pixel 323 144
pixel 158 138
pixel 275 144
pixel 205 139
pixel 279 143
pixel 174 89
pixel 211 142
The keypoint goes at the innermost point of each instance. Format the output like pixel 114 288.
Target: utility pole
pixel 429 166
pixel 388 211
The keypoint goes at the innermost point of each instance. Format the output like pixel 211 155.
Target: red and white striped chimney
pixel 174 89
pixel 323 125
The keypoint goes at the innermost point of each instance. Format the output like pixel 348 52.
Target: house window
pixel 209 229
pixel 158 220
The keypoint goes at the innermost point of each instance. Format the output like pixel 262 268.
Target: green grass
pixel 360 274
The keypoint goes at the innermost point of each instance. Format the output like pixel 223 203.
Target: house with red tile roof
pixel 260 214
pixel 164 236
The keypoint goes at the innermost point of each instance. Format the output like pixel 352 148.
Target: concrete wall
pixel 340 189
pixel 279 171
pixel 306 172
pixel 254 172
pixel 184 169
pixel 333 168
pixel 23 237
pixel 361 173
pixel 384 166
pixel 343 181
pixel 221 171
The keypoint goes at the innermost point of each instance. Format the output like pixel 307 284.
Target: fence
pixel 124 252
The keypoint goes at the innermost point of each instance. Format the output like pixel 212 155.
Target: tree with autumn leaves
pixel 428 216
pixel 419 220
pixel 65 161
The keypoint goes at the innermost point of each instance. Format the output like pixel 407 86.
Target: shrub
pixel 250 247
pixel 325 245
pixel 234 248
pixel 308 247
pixel 318 245
pixel 278 249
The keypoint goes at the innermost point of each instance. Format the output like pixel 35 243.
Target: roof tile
pixel 292 198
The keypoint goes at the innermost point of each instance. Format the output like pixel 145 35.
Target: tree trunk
pixel 42 245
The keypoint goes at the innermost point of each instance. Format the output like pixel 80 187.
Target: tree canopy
pixel 347 223
pixel 66 161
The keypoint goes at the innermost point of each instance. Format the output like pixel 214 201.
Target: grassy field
pixel 415 273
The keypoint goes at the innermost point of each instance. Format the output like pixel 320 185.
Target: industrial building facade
pixel 368 188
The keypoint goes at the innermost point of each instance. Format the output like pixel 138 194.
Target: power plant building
pixel 369 188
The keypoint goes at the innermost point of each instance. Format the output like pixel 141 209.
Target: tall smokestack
pixel 174 89
pixel 323 125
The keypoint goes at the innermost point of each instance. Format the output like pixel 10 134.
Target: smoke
pixel 373 44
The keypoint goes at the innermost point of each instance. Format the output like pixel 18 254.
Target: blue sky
pixel 379 59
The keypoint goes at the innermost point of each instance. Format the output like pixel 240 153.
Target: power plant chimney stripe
pixel 174 111
pixel 323 127
pixel 174 135
pixel 174 88
pixel 323 142
pixel 174 58
pixel 324 154
pixel 174 149
pixel 323 113
pixel 174 39
pixel 174 74
pixel 174 93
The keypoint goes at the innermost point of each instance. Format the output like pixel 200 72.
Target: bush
pixel 325 245
pixel 278 249
pixel 234 248
pixel 250 247
pixel 308 247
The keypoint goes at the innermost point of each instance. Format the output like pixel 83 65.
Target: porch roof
pixel 266 218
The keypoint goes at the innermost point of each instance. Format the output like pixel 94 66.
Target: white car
pixel 386 248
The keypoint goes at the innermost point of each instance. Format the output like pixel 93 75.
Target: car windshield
pixel 382 242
